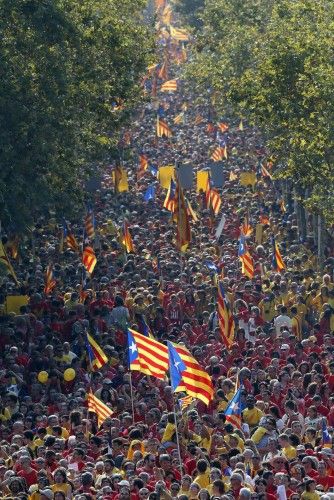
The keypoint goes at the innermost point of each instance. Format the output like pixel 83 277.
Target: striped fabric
pixel 127 240
pixel 97 358
pixel 170 86
pixel 50 282
pixel 246 259
pixel 223 127
pixel 212 197
pixel 169 202
pixel 179 34
pixel 95 405
pixel 225 317
pixel 147 355
pixel 163 129
pixel 90 224
pixel 277 261
pixel 89 259
pixel 196 382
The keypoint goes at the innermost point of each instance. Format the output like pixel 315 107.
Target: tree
pixel 272 63
pixel 64 64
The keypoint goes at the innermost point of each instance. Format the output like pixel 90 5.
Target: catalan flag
pixel 198 120
pixel 70 238
pixel 218 154
pixel 50 282
pixel 185 402
pixel 143 165
pixel 147 355
pixel 264 219
pixel 163 71
pixel 225 317
pixel 90 223
pixel 277 261
pixel 233 410
pixel 169 202
pixel 4 260
pixel 170 86
pixel 245 257
pixel 151 68
pixel 223 127
pixel 163 129
pixel 126 238
pixel 191 212
pixel 212 197
pixel 246 229
pixel 97 358
pixel 183 231
pixel 89 259
pixel 179 118
pixel 95 405
pixel 179 34
pixel 187 375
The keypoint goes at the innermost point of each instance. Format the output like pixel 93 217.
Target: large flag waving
pixel 225 317
pixel 50 282
pixel 187 375
pixel 147 355
pixel 126 239
pixel 163 129
pixel 169 202
pixel 70 238
pixel 212 197
pixel 90 223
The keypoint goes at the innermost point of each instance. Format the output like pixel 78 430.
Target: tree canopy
pixel 64 65
pixel 271 63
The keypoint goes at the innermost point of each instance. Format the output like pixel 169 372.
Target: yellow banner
pixel 14 302
pixel 202 179
pixel 123 182
pixel 166 173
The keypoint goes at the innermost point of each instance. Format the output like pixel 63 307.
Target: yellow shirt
pixel 252 416
pixel 307 495
pixel 169 433
pixel 203 479
pixel 289 452
pixel 5 415
pixel 64 432
pixel 64 487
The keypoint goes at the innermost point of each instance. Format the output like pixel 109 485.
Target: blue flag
pixel 149 193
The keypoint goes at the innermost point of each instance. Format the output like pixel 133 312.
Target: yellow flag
pixel 14 302
pixel 248 178
pixel 166 173
pixel 122 184
pixel 202 180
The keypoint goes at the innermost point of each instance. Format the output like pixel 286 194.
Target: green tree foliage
pixel 272 62
pixel 64 63
pixel 191 11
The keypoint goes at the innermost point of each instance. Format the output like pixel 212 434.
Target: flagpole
pixel 131 396
pixel 177 439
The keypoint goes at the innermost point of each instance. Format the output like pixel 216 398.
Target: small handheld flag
pixel 233 411
pixel 126 238
pixel 163 129
pixel 89 259
pixel 95 405
pixel 170 86
pixel 4 259
pixel 277 261
pixel 169 202
pixel 225 317
pixel 70 238
pixel 50 282
pixel 247 268
pixel 97 358
pixel 90 223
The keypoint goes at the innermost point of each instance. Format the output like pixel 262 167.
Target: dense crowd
pixel 282 354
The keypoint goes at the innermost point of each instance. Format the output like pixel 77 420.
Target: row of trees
pixel 65 64
pixel 271 62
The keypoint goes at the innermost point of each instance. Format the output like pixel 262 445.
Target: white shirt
pixel 282 320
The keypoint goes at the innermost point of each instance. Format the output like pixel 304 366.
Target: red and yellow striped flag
pixel 50 282
pixel 95 405
pixel 183 232
pixel 4 259
pixel 170 86
pixel 147 355
pixel 198 120
pixel 126 239
pixel 89 259
pixel 225 317
pixel 163 129
pixel 163 71
pixel 179 34
pixel 247 265
pixel 223 127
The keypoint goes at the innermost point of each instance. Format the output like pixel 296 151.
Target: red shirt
pixel 30 477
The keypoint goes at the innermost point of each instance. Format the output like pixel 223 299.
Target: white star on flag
pixel 133 348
